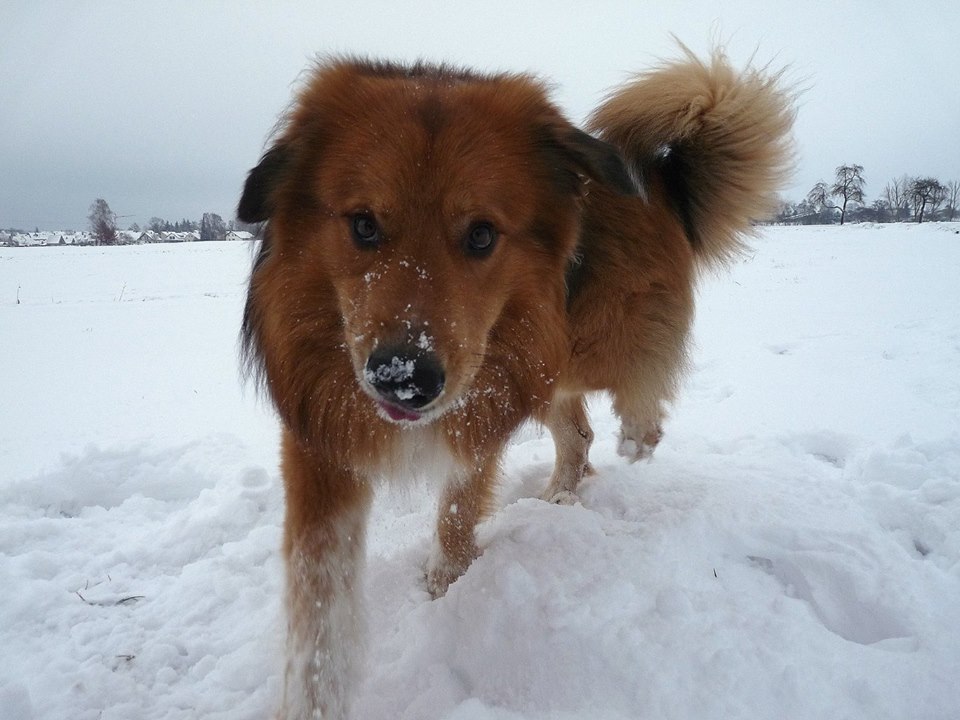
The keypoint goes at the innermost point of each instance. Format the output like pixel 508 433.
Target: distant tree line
pixel 104 229
pixel 903 199
pixel 160 225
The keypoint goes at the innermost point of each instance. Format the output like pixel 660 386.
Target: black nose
pixel 409 379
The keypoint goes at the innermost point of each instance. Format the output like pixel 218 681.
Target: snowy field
pixel 792 551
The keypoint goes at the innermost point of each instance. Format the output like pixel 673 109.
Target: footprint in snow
pixel 844 594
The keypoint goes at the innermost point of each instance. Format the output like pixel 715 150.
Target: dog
pixel 444 256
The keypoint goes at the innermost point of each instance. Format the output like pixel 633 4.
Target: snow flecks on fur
pixel 327 635
pixel 425 342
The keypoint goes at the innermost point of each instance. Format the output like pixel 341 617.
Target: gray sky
pixel 161 107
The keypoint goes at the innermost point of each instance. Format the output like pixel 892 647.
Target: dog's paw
pixel 442 573
pixel 635 448
pixel 560 497
pixel 438 582
pixel 562 488
pixel 440 578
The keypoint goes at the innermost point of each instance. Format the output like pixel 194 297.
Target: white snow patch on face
pixel 425 342
pixel 406 393
pixel 397 371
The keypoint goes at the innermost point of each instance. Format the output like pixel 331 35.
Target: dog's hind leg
pixel 465 501
pixel 572 436
pixel 650 383
pixel 641 414
pixel 639 440
pixel 323 546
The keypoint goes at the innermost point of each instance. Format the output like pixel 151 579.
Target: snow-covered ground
pixel 792 551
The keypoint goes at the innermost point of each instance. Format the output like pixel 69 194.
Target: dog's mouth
pixel 396 413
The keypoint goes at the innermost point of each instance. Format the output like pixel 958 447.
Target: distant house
pixel 239 235
pixel 34 239
pixel 42 238
pixel 179 236
pixel 79 238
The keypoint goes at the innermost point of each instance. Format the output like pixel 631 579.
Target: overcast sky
pixel 161 107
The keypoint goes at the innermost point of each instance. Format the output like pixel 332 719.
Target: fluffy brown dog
pixel 446 256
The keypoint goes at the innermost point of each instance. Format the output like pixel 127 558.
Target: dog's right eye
pixel 366 232
pixel 480 239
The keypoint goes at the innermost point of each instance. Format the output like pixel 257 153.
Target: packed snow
pixel 791 551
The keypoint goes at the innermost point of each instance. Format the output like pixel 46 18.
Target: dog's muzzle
pixel 406 381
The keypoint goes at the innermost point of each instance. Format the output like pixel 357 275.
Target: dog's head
pixel 426 208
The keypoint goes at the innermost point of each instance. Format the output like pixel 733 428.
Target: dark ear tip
pixel 620 180
pixel 252 207
pixel 255 203
pixel 604 163
pixel 248 211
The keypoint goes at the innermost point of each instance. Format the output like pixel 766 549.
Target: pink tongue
pixel 396 413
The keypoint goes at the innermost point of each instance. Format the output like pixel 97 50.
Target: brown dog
pixel 446 256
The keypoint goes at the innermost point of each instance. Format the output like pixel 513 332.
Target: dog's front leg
pixel 572 436
pixel 466 499
pixel 324 530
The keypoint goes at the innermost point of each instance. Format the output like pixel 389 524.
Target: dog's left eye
pixel 481 238
pixel 366 232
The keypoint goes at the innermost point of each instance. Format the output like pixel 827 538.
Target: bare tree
pixel 103 223
pixel 937 197
pixel 897 197
pixel 848 187
pixel 953 197
pixel 818 200
pixel 926 193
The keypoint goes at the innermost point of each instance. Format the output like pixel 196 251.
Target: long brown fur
pixel 393 337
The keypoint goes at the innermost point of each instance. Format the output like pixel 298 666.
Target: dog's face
pixel 427 209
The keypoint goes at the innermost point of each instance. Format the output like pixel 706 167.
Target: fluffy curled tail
pixel 718 139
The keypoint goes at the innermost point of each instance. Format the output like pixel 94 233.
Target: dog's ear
pixel 256 203
pixel 593 159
